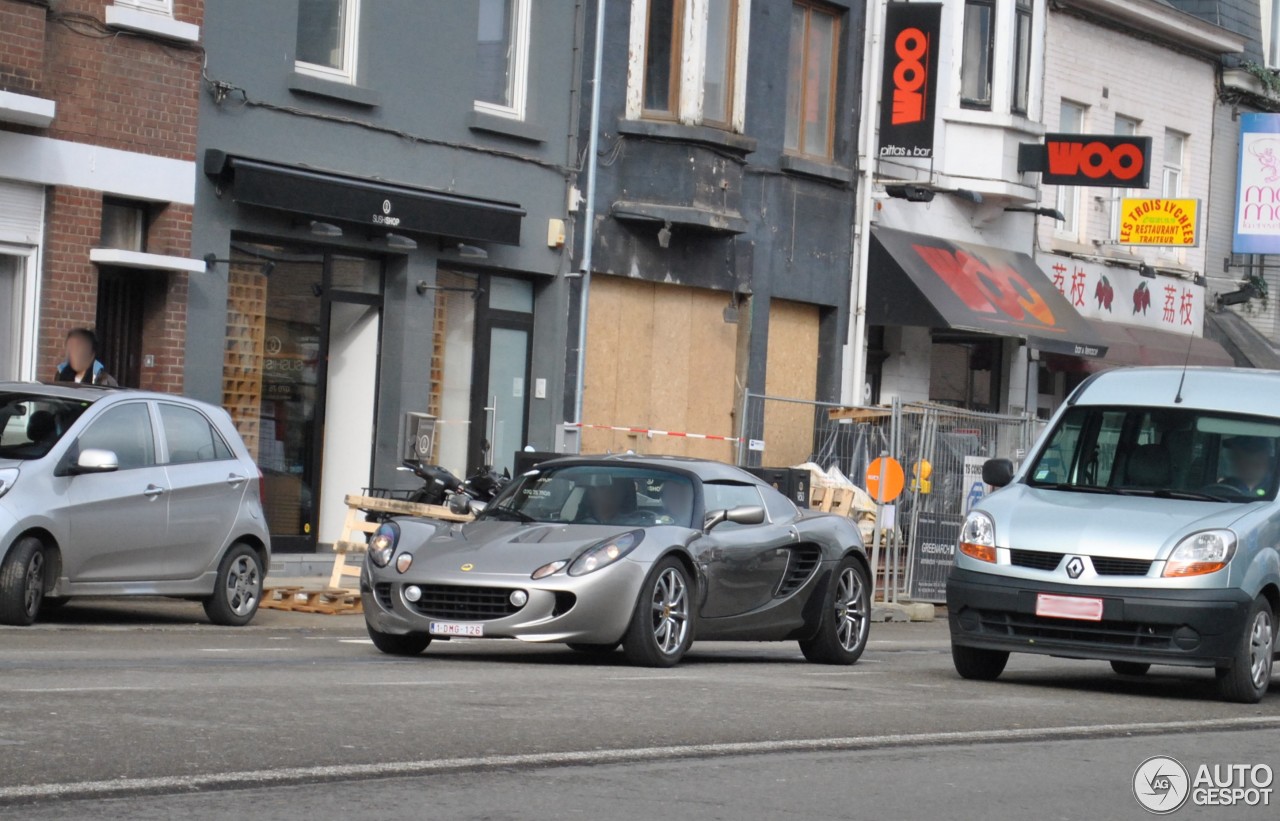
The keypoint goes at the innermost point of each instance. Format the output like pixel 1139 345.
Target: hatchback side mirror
pixel 94 460
pixel 742 515
pixel 997 472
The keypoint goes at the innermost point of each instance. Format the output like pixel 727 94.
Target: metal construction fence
pixel 940 448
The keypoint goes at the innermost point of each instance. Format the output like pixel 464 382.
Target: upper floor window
pixel 1175 146
pixel 1271 32
pixel 124 225
pixel 811 80
pixel 978 52
pixel 1071 120
pixel 1021 57
pixel 502 57
pixel 1124 127
pixel 327 38
pixel 684 63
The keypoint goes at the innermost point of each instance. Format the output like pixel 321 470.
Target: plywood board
pixel 791 372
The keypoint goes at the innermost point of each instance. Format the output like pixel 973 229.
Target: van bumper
pixel 1192 628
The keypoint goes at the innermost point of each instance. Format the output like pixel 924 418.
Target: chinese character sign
pixel 1118 294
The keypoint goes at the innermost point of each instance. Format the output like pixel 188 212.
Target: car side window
pixel 125 430
pixel 728 495
pixel 190 436
pixel 779 507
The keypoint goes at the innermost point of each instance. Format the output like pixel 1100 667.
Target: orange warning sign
pixel 885 479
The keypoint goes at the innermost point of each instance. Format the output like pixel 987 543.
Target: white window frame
pixel 1179 168
pixel 693 62
pixel 1269 28
pixel 1068 196
pixel 164 7
pixel 350 51
pixel 518 67
pixel 29 310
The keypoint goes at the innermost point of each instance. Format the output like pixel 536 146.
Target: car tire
pixel 846 617
pixel 399 644
pixel 1247 679
pixel 977 664
pixel 1130 668
pixel 22 582
pixel 661 628
pixel 237 591
pixel 594 649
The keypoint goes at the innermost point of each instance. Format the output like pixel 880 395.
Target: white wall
pixel 348 425
pixel 906 371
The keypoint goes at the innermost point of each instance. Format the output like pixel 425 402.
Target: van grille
pixel 1102 633
pixel 1106 566
pixel 1035 559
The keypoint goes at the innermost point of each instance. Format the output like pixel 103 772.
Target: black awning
pixel 1135 345
pixel 936 283
pixel 378 206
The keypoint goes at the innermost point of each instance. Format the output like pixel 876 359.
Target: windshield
pixel 598 494
pixel 1165 452
pixel 30 424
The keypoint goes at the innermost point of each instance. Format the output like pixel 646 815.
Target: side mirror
pixel 94 460
pixel 997 472
pixel 460 504
pixel 743 515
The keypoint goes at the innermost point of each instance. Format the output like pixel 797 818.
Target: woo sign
pixel 1103 160
pixel 909 91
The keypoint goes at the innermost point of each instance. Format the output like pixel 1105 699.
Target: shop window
pixel 811 80
pixel 977 58
pixel 1071 120
pixel 687 67
pixel 124 225
pixel 502 57
pixel 1022 56
pixel 327 38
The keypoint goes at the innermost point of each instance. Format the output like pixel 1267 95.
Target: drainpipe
pixel 868 143
pixel 589 229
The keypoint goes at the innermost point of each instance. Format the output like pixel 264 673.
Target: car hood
pixel 1095 524
pixel 10 463
pixel 506 547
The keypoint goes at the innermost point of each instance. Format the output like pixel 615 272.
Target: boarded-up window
pixel 790 373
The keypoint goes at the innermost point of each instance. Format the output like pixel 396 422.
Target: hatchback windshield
pixel 30 424
pixel 598 494
pixel 1171 453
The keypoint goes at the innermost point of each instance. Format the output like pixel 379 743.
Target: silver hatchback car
pixel 123 493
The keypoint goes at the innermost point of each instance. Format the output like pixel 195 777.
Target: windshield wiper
pixel 518 515
pixel 1067 486
pixel 1189 495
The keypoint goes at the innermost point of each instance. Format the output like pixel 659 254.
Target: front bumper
pixel 1193 628
pixel 591 609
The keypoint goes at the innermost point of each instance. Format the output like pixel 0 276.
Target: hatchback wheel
pixel 238 590
pixel 846 618
pixel 22 582
pixel 1247 679
pixel 662 625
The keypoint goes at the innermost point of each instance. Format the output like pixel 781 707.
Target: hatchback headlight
pixel 1201 553
pixel 605 553
pixel 978 537
pixel 7 477
pixel 382 545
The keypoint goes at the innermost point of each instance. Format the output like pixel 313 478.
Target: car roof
pixel 704 469
pixel 91 393
pixel 1231 390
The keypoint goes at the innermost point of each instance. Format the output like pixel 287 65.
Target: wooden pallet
pixel 331 601
pixel 357 507
pixel 837 500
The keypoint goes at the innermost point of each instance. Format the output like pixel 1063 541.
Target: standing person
pixel 82 363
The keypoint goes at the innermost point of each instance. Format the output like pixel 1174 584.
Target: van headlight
pixel 382 544
pixel 7 477
pixel 1201 553
pixel 978 537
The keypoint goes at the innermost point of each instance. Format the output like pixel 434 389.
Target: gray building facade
pixel 383 207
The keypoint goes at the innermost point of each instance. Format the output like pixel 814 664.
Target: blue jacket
pixel 100 375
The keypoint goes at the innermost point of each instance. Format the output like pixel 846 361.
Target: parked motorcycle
pixel 441 487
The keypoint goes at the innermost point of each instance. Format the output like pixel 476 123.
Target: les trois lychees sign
pixel 1102 160
pixel 908 93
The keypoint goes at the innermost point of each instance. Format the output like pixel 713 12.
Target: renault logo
pixel 1075 567
pixel 468 567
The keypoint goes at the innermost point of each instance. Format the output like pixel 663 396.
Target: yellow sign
pixel 1146 221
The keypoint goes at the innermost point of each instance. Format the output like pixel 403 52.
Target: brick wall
pixel 119 90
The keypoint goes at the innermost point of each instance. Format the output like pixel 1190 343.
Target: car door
pixel 117 521
pixel 207 484
pixel 744 564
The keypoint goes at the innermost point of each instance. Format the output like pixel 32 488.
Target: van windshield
pixel 1165 452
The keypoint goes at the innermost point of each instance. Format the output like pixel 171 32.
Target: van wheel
pixel 238 590
pixel 1130 668
pixel 1247 679
pixel 977 664
pixel 22 582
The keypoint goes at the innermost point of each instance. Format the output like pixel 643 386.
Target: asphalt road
pixel 297 713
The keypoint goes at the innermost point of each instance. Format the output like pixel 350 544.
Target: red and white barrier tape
pixel 652 432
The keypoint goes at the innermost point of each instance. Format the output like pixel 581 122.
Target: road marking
pixel 653 678
pixel 84 689
pixel 355 641
pixel 249 779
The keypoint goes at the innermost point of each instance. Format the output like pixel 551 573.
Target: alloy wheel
pixel 851 614
pixel 33 591
pixel 1261 646
pixel 670 611
pixel 244 586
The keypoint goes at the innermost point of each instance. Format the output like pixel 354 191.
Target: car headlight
pixel 548 569
pixel 7 477
pixel 382 544
pixel 1201 553
pixel 978 537
pixel 605 553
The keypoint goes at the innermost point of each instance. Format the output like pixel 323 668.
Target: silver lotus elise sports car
pixel 649 553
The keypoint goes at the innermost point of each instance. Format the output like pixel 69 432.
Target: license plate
pixel 451 628
pixel 1080 608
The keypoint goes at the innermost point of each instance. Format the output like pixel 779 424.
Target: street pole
pixel 589 230
pixel 868 143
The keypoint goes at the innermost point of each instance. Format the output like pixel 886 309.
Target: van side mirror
pixel 997 472
pixel 94 460
pixel 742 515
